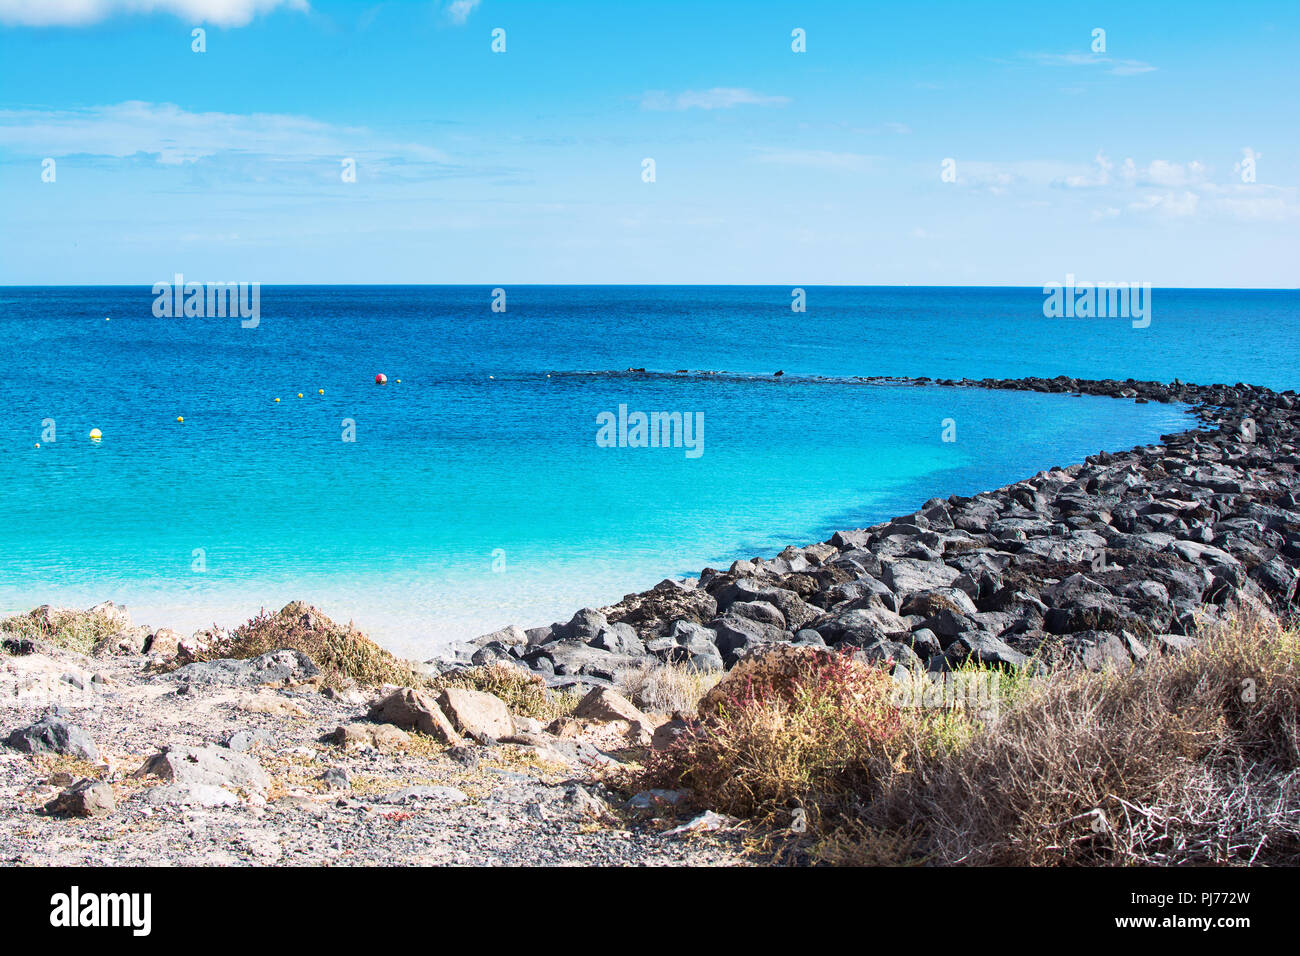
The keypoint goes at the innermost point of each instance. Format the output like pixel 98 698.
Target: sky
pixel 944 143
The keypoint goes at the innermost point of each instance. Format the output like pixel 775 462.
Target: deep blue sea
pixel 475 494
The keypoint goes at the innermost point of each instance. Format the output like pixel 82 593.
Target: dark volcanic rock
pixel 53 734
pixel 1099 564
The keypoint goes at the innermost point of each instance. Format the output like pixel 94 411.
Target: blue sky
pixel 772 166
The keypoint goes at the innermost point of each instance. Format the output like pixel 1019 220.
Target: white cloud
pixel 1168 188
pixel 1099 176
pixel 71 13
pixel 997 178
pixel 176 136
pixel 813 158
pixel 1253 202
pixel 718 98
pixel 1171 204
pixel 1159 172
pixel 459 10
pixel 1105 63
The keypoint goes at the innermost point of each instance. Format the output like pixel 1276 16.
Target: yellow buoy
pixel 300 394
pixel 179 418
pixel 95 434
pixel 320 391
pixel 399 381
pixel 277 399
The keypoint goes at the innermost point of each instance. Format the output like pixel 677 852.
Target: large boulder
pixel 86 798
pixel 688 643
pixel 209 766
pixel 795 612
pixel 53 734
pixel 508 636
pixel 412 710
pixel 738 636
pixel 907 575
pixel 275 667
pixel 861 626
pixel 583 626
pixel 606 706
pixel 572 658
pixel 476 713
pixel 982 648
pixel 651 612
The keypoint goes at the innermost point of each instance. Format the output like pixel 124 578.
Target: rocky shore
pixel 1096 564
pixel 295 740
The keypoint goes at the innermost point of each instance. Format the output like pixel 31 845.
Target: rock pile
pixel 1098 564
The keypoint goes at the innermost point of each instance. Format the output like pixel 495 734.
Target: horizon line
pixel 664 285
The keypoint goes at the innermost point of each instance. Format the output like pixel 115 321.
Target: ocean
pixel 479 490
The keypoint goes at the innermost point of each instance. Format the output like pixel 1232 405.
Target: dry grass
pixel 75 630
pixel 1194 758
pixel 344 655
pixel 659 688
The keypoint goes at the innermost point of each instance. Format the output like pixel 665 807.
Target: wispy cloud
pixel 458 11
pixel 1100 61
pixel 71 13
pixel 812 158
pixel 175 136
pixel 1158 172
pixel 1172 189
pixel 717 98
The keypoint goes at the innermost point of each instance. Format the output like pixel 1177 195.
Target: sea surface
pixel 475 493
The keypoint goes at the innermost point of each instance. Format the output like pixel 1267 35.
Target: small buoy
pixel 180 418
pixel 95 434
pixel 38 444
pixel 381 379
pixel 320 391
pixel 399 381
pixel 300 394
pixel 492 376
pixel 106 318
pixel 277 399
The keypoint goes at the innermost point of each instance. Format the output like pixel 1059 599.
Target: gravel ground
pixel 508 804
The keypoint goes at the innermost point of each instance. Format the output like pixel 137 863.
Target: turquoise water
pixel 475 494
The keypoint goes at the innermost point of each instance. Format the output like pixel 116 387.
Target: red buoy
pixel 381 379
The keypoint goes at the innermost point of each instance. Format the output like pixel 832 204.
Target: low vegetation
pixel 344 655
pixel 74 630
pixel 1192 758
pixel 525 694
pixel 665 688
pixel 347 657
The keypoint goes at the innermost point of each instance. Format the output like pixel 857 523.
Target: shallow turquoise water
pixel 475 494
